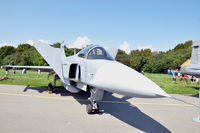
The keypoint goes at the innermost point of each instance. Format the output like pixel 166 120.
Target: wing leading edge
pixel 28 67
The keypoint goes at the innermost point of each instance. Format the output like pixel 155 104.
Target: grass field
pixel 180 87
pixel 32 78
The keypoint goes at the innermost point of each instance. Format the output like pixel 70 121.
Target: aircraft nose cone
pixel 118 78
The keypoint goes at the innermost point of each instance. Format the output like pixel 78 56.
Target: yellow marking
pixel 44 97
pixel 67 98
pixel 140 103
pixel 163 104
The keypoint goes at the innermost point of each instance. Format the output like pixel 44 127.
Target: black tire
pixel 89 109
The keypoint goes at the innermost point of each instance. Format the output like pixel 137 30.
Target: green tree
pixel 12 59
pixel 56 45
pixel 23 47
pixel 38 60
pixel 5 51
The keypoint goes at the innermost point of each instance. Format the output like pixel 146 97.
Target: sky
pixel 129 24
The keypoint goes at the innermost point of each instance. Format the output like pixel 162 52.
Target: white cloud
pixel 44 41
pixel 80 42
pixel 146 47
pixel 125 46
pixel 7 44
pixel 31 41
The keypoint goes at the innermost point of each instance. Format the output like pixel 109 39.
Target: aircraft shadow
pixel 132 115
pixel 195 95
pixel 123 111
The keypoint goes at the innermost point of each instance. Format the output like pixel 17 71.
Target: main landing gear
pixel 95 95
pixel 50 86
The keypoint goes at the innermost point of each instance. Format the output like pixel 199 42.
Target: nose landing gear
pixel 95 95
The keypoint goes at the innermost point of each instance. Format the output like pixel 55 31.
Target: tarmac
pixel 25 109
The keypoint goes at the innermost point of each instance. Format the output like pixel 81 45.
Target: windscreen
pixel 99 53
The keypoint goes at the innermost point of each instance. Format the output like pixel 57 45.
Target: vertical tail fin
pixel 195 52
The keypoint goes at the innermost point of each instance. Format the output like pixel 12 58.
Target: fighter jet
pixel 194 67
pixel 95 69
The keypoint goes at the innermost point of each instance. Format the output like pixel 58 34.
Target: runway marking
pixel 67 98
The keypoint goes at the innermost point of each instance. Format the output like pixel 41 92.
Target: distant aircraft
pixel 94 69
pixel 194 67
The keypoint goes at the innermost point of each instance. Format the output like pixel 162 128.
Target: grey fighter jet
pixel 194 67
pixel 95 69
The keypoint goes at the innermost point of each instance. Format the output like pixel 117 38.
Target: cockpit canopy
pixel 95 52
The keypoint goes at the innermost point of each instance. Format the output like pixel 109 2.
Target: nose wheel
pixel 95 95
pixel 93 108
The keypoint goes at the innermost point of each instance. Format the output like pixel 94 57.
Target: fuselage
pixel 110 75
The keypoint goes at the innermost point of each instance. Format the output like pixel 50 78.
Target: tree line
pixel 156 62
pixel 141 60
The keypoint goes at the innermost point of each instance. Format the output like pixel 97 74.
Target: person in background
pixel 197 81
pixel 24 71
pixel 173 77
pixel 7 70
pixel 194 79
pixel 39 71
pixel 186 78
pixel 168 71
pixel 190 78
pixel 142 72
pixel 179 76
pixel 14 70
